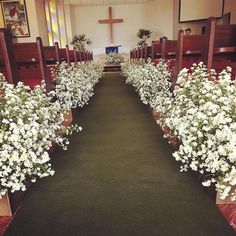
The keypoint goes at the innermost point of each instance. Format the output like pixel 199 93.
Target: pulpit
pixel 111 49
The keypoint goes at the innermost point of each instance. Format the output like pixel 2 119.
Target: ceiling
pixel 104 2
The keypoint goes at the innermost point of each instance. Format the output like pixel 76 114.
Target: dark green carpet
pixel 117 179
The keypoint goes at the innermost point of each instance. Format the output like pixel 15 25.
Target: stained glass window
pixel 54 10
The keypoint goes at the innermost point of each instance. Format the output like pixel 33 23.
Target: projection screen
pixel 193 10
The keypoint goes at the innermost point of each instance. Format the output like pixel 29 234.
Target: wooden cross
pixel 110 21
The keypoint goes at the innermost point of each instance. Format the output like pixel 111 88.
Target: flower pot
pixel 10 202
pixel 227 200
pixel 156 115
pixel 1 92
pixel 68 118
pixel 5 206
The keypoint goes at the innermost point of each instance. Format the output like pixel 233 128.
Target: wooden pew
pixel 189 51
pixel 135 53
pixel 8 64
pixel 71 55
pixel 155 50
pixel 64 54
pixel 51 55
pixel 220 46
pixel 168 48
pixel 77 56
pixel 80 56
pixel 131 54
pixel 51 59
pixel 90 56
pixel 147 52
pixel 85 56
pixel 168 52
pixel 31 63
pixel 143 52
pixel 140 52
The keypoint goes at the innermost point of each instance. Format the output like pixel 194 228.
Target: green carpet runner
pixel 117 179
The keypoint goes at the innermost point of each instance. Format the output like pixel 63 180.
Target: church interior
pixel 118 118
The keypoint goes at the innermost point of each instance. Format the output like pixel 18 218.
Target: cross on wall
pixel 110 21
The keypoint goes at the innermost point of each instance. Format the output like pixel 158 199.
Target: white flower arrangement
pixel 113 58
pixel 203 118
pixel 30 124
pixel 201 113
pixel 75 84
pixel 151 81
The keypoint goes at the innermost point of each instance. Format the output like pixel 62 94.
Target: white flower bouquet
pixel 75 84
pixel 203 118
pixel 113 58
pixel 201 114
pixel 151 81
pixel 30 124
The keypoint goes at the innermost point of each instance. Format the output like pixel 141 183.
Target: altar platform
pixel 112 68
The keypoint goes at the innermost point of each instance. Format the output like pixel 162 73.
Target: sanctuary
pixel 117 117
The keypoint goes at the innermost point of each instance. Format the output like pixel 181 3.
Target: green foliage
pixel 80 41
pixel 143 34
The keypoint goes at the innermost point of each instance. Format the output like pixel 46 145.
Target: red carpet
pixel 4 223
pixel 229 212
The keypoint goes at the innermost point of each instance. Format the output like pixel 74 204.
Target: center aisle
pixel 117 179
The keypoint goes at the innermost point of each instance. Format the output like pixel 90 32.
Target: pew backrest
pixel 219 45
pixel 51 56
pixel 155 50
pixel 168 48
pixel 31 63
pixel 64 54
pixel 8 64
pixel 189 51
pixel 147 52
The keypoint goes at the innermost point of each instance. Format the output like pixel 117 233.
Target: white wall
pixel 159 18
pixel 196 27
pixel 156 16
pixel 230 6
pixel 41 19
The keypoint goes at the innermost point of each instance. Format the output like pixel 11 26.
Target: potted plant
pixel 204 120
pixel 31 122
pixel 143 35
pixel 80 41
